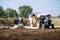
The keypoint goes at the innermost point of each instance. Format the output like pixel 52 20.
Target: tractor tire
pixel 52 26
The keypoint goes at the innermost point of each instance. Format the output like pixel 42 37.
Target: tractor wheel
pixel 52 26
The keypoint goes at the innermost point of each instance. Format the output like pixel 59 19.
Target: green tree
pixel 25 10
pixel 10 13
pixel 1 11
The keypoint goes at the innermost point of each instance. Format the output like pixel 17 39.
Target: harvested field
pixel 32 34
pixel 56 21
pixel 29 34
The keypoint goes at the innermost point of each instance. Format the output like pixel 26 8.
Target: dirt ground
pixel 29 34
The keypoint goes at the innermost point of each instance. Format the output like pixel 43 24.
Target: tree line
pixel 24 11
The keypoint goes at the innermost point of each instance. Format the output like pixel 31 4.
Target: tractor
pixel 46 15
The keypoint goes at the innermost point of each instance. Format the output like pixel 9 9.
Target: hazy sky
pixel 40 6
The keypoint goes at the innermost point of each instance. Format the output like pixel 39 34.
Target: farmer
pixel 21 23
pixel 40 22
pixel 49 23
pixel 16 22
pixel 34 21
pixel 46 23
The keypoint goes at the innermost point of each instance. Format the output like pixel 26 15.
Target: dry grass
pixel 56 21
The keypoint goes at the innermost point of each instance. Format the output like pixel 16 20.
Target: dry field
pixel 29 34
pixel 56 21
pixel 32 34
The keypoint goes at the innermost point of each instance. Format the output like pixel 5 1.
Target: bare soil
pixel 29 34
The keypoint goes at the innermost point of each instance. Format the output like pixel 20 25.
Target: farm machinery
pixel 44 16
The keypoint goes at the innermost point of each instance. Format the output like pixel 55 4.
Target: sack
pixel 6 26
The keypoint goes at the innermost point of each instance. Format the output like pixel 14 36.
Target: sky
pixel 39 6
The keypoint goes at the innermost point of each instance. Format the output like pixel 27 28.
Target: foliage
pixel 25 10
pixel 10 13
pixel 1 11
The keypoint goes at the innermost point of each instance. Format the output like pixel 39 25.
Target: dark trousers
pixel 40 24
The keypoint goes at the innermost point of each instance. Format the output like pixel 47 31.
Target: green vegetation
pixel 25 10
pixel 1 11
pixel 10 13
